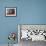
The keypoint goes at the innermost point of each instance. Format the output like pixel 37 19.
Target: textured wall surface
pixel 28 12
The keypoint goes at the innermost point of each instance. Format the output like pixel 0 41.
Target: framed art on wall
pixel 33 32
pixel 11 11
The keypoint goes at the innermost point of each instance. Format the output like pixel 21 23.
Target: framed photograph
pixel 11 11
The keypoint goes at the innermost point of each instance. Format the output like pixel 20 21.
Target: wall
pixel 28 12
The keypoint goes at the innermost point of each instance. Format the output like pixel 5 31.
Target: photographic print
pixel 11 11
